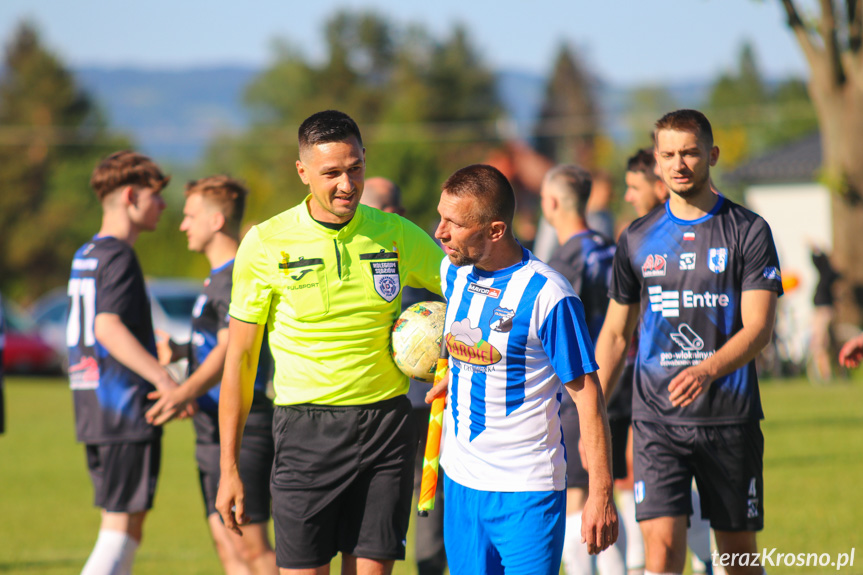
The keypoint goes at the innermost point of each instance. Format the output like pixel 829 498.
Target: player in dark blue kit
pixel 212 214
pixel 112 357
pixel 584 258
pixel 704 276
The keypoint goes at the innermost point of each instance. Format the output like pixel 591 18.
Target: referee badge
pixel 386 278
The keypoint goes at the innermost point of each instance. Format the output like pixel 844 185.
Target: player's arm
pixel 613 343
pixel 209 373
pixel 235 400
pixel 116 338
pixel 599 520
pixel 168 350
pixel 758 312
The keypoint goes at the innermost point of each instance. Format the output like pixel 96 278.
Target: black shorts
pixel 124 475
pixel 726 461
pixel 256 461
pixel 342 481
pixel 576 474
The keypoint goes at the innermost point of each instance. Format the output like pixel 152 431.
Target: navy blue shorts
pixel 124 475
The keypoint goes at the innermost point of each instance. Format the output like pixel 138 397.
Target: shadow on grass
pixel 23 566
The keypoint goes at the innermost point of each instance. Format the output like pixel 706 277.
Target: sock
pixel 576 559
pixel 698 536
pixel 612 561
pixel 634 542
pixel 112 555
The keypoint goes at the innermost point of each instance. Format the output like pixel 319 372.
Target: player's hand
pixel 164 349
pixel 230 501
pixel 438 389
pixel 599 523
pixel 169 405
pixel 688 385
pixel 852 352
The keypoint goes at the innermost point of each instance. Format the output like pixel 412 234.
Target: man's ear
pixel 496 230
pixel 301 170
pixel 218 221
pixel 129 196
pixel 714 155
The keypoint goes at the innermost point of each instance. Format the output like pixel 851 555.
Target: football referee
pixel 325 279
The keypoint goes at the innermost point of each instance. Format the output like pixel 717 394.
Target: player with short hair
pixel 112 357
pixel 212 215
pixel 644 188
pixel 703 276
pixel 516 333
pixel 584 258
pixel 325 278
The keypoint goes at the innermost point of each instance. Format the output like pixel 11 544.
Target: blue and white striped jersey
pixel 514 335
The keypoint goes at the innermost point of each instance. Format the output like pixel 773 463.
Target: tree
pixel 52 134
pixel 569 120
pixel 832 43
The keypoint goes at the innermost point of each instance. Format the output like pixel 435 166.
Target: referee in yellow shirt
pixel 324 278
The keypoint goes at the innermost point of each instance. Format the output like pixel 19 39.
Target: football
pixel 416 339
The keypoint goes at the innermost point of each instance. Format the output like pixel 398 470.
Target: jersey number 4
pixel 82 293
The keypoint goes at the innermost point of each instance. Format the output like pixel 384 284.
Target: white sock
pixel 576 559
pixel 112 555
pixel 612 561
pixel 698 535
pixel 634 541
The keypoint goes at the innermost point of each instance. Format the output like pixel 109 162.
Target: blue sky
pixel 622 41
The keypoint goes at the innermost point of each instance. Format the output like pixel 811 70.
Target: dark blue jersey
pixel 110 399
pixel 688 277
pixel 209 316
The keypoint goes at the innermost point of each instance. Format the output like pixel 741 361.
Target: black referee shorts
pixel 726 461
pixel 342 481
pixel 576 474
pixel 124 475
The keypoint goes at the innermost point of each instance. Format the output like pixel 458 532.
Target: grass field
pixel 813 477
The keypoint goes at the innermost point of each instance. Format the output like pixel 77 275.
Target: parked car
pixel 171 303
pixel 25 351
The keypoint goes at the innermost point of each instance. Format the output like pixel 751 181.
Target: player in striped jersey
pixel 515 332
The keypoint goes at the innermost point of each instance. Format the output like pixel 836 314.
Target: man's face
pixel 147 207
pixel 334 172
pixel 462 235
pixel 684 161
pixel 641 192
pixel 200 222
pixel 546 201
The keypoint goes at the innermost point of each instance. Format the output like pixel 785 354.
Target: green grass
pixel 813 477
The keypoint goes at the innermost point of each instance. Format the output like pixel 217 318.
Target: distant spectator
pixel 821 343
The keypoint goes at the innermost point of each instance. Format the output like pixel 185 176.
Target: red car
pixel 25 351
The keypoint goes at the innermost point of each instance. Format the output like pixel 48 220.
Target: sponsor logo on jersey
pixel 484 290
pixel 386 279
pixel 669 302
pixel 772 273
pixel 687 339
pixel 501 319
pixel 717 258
pixel 687 261
pixel 298 276
pixel 689 236
pixel 84 374
pixel 653 266
pixel 465 344
pixel 85 264
pixel 638 490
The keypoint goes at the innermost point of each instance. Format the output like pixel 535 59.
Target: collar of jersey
pixel 313 226
pixel 221 267
pixel 525 257
pixel 713 211
pixel 97 237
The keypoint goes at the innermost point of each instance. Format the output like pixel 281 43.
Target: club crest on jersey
pixel 653 266
pixel 717 258
pixel 386 278
pixel 484 290
pixel 501 319
pixel 465 343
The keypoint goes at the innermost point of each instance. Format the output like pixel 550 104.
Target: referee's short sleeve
pixel 254 271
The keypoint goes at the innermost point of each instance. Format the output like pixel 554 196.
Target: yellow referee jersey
pixel 329 299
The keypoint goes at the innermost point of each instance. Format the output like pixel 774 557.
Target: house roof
pixel 798 161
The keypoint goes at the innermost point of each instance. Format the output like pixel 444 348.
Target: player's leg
pixel 663 482
pixel 698 538
pixel 315 461
pixel 576 559
pixel 526 529
pixel 626 512
pixel 124 479
pixel 468 548
pixel 612 561
pixel 376 508
pixel 728 468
